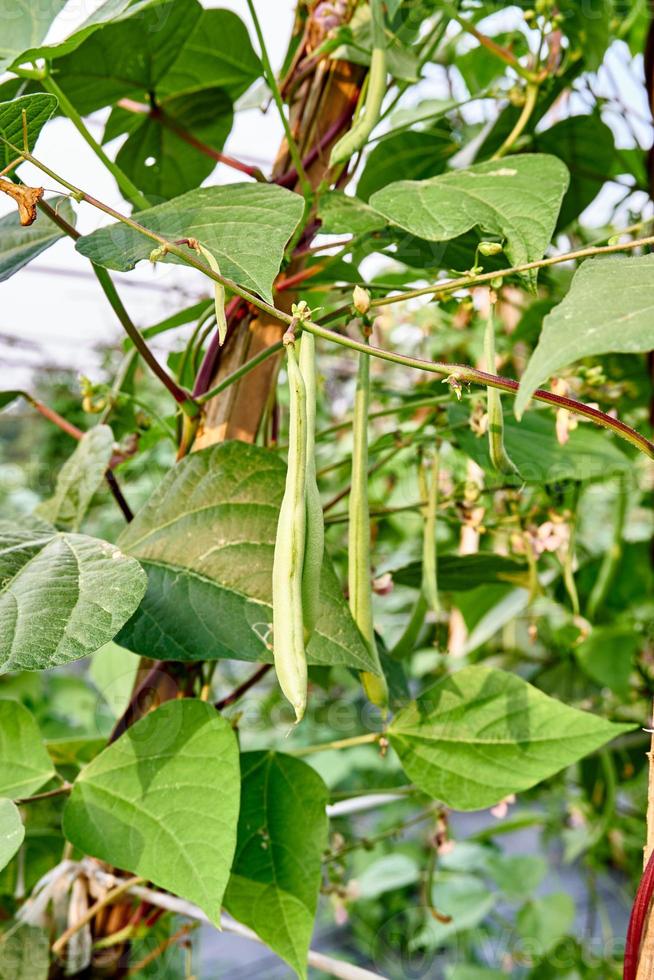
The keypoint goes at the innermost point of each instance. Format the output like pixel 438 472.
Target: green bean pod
pixel 315 527
pixel 499 457
pixel 429 547
pixel 359 573
pixel 357 136
pixel 288 627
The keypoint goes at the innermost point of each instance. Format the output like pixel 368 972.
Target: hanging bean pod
pixel 288 627
pixel 315 527
pixel 500 459
pixel 359 574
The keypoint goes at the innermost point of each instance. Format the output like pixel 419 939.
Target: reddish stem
pixel 290 178
pixel 243 688
pixel 638 922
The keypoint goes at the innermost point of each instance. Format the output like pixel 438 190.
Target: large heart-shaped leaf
pixel 24 954
pixel 79 479
pixel 518 198
pixel 162 801
pixel 159 161
pixel 12 832
pixel 127 57
pixel 62 596
pixel 282 833
pixel 25 765
pixel 415 154
pixel 482 734
pixel 245 226
pixel 218 54
pixel 206 539
pixel 37 109
pixel 111 11
pixel 24 25
pixel 608 309
pixel 19 245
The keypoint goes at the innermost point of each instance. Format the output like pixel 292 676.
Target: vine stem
pixel 531 98
pixel 243 688
pixel 276 94
pixel 341 743
pixel 130 190
pixel 457 373
pixel 464 282
pixel 182 397
pixel 48 795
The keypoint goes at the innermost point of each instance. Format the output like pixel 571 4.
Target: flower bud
pixel 490 248
pixel 361 300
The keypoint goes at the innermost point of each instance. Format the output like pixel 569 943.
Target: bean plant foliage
pixel 339 574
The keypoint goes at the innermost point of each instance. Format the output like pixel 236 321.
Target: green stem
pixel 240 372
pixel 465 282
pixel 307 190
pixel 531 98
pixel 341 743
pixel 612 556
pixel 407 642
pixel 183 398
pixel 568 561
pixel 457 372
pixel 129 189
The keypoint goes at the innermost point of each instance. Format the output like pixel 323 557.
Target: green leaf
pixel 162 802
pixel 12 832
pixel 112 11
pixel 483 734
pixel 24 25
pixel 19 245
pixel 518 198
pixel 586 146
pixel 416 155
pixel 341 214
pixel 79 479
pixel 465 898
pixel 217 54
pixel 113 670
pixel 543 922
pixel 128 57
pixel 24 954
pixel 8 397
pixel 533 446
pixel 517 875
pixel 607 310
pixel 63 596
pixel 160 162
pixel 246 227
pixel 459 573
pixel 25 765
pixel 607 656
pixel 387 874
pixel 206 539
pixel 37 108
pixel 282 834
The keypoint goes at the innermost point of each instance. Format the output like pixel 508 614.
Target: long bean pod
pixel 288 626
pixel 315 525
pixel 429 546
pixel 359 573
pixel 500 459
pixel 356 137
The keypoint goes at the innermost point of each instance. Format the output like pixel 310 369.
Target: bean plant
pixel 326 601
